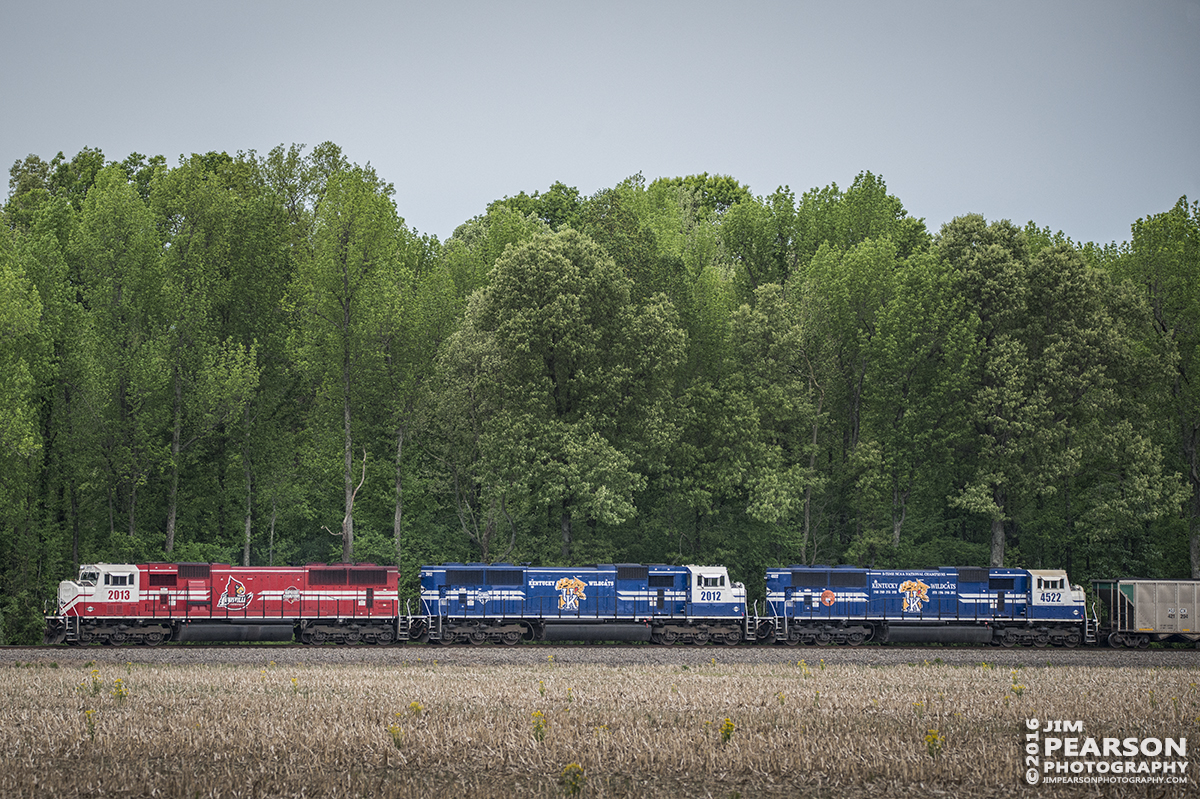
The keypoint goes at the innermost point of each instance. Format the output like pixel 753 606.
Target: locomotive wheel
pixel 731 638
pixel 154 638
pixel 385 636
pixel 1009 639
pixel 854 639
pixel 700 638
pixel 669 637
pixel 823 639
pixel 477 637
pixel 792 640
pixel 1072 640
pixel 510 638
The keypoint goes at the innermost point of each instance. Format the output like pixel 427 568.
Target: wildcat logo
pixel 235 596
pixel 570 591
pixel 915 593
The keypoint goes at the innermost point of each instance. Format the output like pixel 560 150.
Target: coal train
pixel 359 603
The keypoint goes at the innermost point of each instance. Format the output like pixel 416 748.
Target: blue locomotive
pixel 848 605
pixel 505 603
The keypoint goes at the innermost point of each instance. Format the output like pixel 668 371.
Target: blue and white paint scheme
pixel 820 604
pixel 603 602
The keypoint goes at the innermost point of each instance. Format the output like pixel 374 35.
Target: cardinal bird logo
pixel 235 596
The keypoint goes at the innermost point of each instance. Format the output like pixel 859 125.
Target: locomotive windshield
pixel 89 576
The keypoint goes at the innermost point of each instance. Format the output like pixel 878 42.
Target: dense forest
pixel 254 360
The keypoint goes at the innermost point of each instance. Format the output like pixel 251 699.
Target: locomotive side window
pixel 710 582
pixel 115 593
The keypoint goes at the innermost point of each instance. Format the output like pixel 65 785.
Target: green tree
pixel 1163 262
pixel 991 266
pixel 466 406
pixel 584 379
pixel 1053 437
pixel 20 309
pixel 117 255
pixel 716 193
pixel 421 316
pixel 20 434
pixel 212 375
pixel 759 236
pixel 472 251
pixel 337 293
pixel 559 207
pixel 776 386
pixel 917 379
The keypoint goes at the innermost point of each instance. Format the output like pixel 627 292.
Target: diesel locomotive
pixel 476 603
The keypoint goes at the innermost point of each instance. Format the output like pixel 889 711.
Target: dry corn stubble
pixel 417 729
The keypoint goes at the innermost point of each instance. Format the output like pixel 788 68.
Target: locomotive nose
pixel 67 591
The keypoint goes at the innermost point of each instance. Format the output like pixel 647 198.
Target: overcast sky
pixel 1080 116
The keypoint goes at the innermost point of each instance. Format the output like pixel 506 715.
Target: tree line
pixel 253 359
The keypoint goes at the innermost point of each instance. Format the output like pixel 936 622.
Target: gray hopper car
pixel 1137 612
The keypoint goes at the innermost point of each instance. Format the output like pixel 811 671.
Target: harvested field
pixel 509 723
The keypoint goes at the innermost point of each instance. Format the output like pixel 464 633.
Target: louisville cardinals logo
pixel 235 595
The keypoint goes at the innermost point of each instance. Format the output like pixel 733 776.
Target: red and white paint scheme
pixel 151 603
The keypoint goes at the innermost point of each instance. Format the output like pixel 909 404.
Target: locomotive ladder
pixel 751 630
pixel 1090 623
pixel 70 629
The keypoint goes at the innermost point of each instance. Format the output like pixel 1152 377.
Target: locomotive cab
pixel 713 593
pixel 106 583
pixel 1051 595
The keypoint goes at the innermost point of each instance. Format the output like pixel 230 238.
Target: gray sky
pixel 1082 116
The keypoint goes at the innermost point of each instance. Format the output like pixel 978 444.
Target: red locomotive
pixel 156 602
